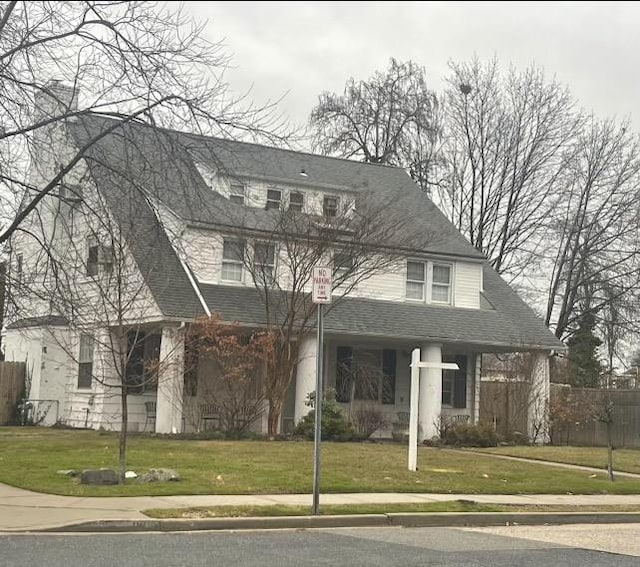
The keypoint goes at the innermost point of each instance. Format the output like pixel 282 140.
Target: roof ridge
pixel 230 140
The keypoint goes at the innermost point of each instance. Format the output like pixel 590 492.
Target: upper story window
pixel 429 281
pixel 19 265
pixel 330 206
pixel 296 201
pixel 342 266
pixel 264 259
pixel 416 280
pixel 99 258
pixel 232 260
pixel 85 361
pixel 274 198
pixel 441 284
pixel 237 193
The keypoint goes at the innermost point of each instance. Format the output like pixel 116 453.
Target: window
pixel 85 361
pixel 416 277
pixel 274 196
pixel 368 375
pixel 92 257
pixel 330 206
pixel 296 201
pixel 264 263
pixel 342 266
pixel 19 262
pixel 143 351
pixel 454 383
pixel 441 284
pixel 99 258
pixel 232 260
pixel 237 193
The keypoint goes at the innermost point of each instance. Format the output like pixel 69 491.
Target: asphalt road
pixel 369 547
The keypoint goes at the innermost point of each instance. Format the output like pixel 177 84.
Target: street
pixel 506 546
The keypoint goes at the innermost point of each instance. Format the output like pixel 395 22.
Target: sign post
pixel 416 365
pixel 321 295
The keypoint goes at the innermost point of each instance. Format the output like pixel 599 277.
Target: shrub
pixel 468 435
pixel 335 426
pixel 367 419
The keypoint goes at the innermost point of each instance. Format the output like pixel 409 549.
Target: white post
pixel 170 381
pixel 477 383
pixel 430 404
pixel 305 376
pixel 538 418
pixel 413 410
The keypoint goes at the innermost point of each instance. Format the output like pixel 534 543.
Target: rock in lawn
pixel 100 477
pixel 160 475
pixel 130 474
pixel 68 472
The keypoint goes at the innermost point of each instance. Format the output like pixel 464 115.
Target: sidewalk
pixel 22 510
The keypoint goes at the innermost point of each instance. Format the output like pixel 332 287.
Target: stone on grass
pixel 130 474
pixel 68 472
pixel 160 475
pixel 100 477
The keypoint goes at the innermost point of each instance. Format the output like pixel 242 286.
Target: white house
pixel 178 202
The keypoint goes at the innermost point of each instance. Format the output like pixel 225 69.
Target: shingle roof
pixel 509 323
pixel 42 321
pixel 136 161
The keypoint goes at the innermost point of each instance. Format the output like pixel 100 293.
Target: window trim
pixel 271 201
pixel 91 339
pixel 234 194
pixel 233 261
pixel 428 284
pixel 295 210
pixel 274 265
pixel 324 203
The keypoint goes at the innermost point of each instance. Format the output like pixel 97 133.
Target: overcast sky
pixel 303 48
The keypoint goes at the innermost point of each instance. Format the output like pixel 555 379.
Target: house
pixel 170 209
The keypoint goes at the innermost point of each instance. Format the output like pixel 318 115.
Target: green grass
pixel 342 509
pixel 30 457
pixel 627 460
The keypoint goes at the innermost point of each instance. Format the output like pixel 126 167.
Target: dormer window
pixel 274 198
pixel 237 193
pixel 330 206
pixel 99 258
pixel 296 201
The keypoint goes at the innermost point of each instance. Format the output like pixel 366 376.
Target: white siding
pixel 467 280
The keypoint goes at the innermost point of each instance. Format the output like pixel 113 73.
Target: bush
pixel 368 419
pixel 467 435
pixel 335 426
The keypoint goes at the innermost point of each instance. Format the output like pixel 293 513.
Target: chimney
pixel 56 99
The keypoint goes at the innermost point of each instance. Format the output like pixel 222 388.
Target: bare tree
pixel 595 229
pixel 361 238
pixel 135 61
pixel 505 145
pixel 390 118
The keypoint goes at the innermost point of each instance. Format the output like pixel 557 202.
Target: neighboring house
pixel 178 204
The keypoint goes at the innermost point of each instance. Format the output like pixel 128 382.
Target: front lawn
pixel 627 460
pixel 30 457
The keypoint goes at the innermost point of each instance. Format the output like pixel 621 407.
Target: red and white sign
pixel 322 284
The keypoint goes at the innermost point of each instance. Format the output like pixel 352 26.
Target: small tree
pixel 235 386
pixel 604 412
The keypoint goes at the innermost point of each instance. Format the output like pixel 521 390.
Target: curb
pixel 426 519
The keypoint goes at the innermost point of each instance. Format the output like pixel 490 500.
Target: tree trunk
pixel 609 452
pixel 273 419
pixel 122 455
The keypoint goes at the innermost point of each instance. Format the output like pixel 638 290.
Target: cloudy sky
pixel 303 48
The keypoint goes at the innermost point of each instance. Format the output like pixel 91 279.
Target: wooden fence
pixel 505 405
pixel 12 382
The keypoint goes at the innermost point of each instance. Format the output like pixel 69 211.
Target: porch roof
pixel 504 322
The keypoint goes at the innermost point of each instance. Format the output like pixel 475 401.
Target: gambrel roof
pixel 136 166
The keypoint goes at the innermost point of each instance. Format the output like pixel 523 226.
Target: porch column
pixel 477 377
pixel 170 381
pixel 430 401
pixel 305 376
pixel 538 406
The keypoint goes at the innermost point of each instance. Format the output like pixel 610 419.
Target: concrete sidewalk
pixel 22 510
